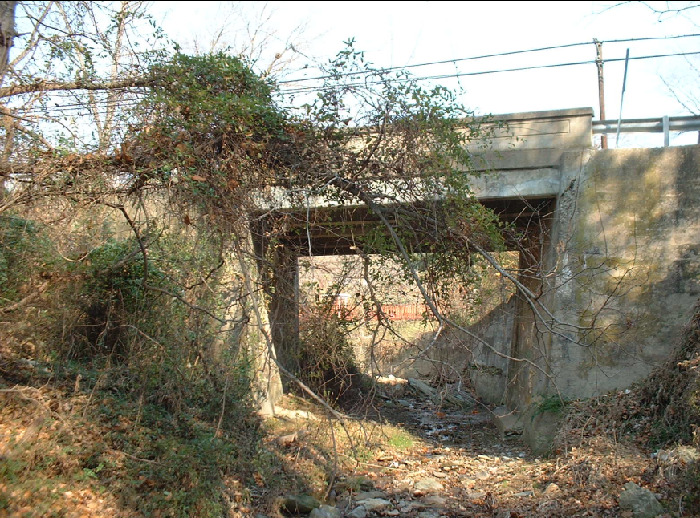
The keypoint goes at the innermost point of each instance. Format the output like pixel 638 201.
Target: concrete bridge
pixel 616 247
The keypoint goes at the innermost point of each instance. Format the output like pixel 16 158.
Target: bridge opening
pixel 322 264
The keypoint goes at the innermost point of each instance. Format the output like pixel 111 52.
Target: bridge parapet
pixel 524 159
pixel 554 129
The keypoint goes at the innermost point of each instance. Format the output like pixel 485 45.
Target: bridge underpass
pixel 344 231
pixel 615 234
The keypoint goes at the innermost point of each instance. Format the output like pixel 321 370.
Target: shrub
pixel 25 253
pixel 324 358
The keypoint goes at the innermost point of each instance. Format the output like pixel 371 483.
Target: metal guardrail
pixel 663 125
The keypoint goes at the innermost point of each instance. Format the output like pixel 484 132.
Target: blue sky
pixel 404 33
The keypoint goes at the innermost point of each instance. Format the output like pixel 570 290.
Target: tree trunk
pixel 7 34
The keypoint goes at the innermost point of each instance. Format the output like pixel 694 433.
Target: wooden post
pixel 601 87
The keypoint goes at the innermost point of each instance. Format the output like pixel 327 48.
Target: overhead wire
pixel 494 55
pixel 292 90
pixel 303 89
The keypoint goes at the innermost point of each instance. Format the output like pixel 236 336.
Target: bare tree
pixel 72 80
pixel 247 30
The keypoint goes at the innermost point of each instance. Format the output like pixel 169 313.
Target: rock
pixel 551 489
pixel 541 427
pixel 355 484
pixel 508 422
pixel 434 501
pixel 325 511
pixel 640 501
pixel 430 392
pixel 358 512
pixel 428 514
pixel 423 387
pixel 293 414
pixel 374 504
pixel 680 455
pixel 406 508
pixel 392 387
pixel 300 504
pixel 365 495
pixel 427 484
pixel 524 494
pixel 285 441
pixel 482 475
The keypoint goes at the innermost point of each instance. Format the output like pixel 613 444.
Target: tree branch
pixel 49 86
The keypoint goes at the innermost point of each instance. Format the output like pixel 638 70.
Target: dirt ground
pixel 405 456
pixel 439 461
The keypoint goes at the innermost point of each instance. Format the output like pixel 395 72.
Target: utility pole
pixel 601 87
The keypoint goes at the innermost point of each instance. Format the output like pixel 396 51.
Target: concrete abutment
pixel 614 262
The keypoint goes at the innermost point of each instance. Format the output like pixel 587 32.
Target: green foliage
pixel 212 127
pixel 661 434
pixel 112 297
pixel 25 253
pixel 400 439
pixel 689 486
pixel 189 460
pixel 214 93
pixel 409 151
pixel 147 460
pixel 165 384
pixel 553 404
pixel 154 336
pixel 116 270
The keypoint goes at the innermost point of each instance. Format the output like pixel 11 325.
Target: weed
pixel 363 453
pixel 10 468
pixel 400 439
pixel 553 404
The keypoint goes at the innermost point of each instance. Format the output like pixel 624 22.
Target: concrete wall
pixel 489 370
pixel 622 273
pixel 620 265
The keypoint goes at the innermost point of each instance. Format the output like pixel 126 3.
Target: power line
pixel 484 56
pixel 303 89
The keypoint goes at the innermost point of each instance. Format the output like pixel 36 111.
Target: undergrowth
pixel 659 415
pixel 123 452
pixel 117 389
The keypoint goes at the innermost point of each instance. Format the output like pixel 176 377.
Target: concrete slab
pixel 508 422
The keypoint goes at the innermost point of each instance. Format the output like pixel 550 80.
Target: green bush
pixel 25 253
pixel 112 300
